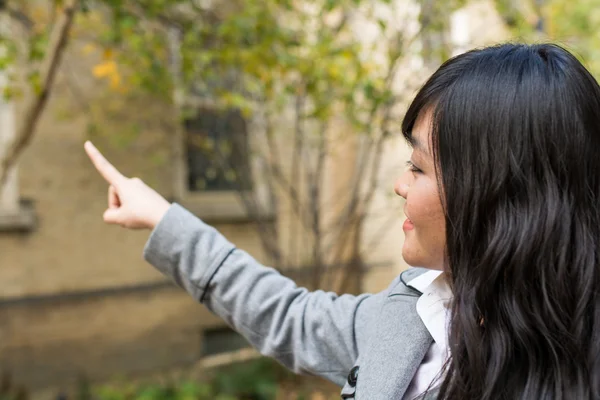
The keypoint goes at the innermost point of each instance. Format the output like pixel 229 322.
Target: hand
pixel 131 203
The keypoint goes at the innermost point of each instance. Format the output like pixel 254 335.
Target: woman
pixel 502 194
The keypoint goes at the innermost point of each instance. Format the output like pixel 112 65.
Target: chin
pixel 412 259
pixel 417 258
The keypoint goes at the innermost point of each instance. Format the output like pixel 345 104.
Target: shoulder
pixel 398 289
pixel 412 273
pixel 400 285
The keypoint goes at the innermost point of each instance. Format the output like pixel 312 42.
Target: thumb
pixel 113 216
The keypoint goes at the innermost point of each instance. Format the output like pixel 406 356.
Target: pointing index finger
pixel 106 169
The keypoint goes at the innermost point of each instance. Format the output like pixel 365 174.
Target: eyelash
pixel 413 167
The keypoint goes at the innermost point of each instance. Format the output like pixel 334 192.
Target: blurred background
pixel 277 121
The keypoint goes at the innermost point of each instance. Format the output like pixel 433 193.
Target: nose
pixel 402 185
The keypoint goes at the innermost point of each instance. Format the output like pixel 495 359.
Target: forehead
pixel 421 132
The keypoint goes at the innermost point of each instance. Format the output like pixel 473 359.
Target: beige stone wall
pixel 60 315
pixel 53 343
pixel 72 248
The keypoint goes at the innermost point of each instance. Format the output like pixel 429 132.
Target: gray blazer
pixel 371 345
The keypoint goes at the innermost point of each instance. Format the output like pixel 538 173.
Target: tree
pixel 266 58
pixel 571 24
pixel 42 78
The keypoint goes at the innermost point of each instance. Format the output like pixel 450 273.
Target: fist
pixel 131 203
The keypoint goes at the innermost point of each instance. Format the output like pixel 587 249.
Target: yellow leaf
pixel 334 71
pixel 107 54
pixel 105 69
pixel 110 71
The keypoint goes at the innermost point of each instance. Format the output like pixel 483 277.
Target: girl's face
pixel 425 226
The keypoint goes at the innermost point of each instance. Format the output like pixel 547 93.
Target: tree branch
pixel 315 186
pixel 34 108
pixel 18 16
pixel 294 234
pixel 357 206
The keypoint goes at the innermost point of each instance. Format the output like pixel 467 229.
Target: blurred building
pixel 76 298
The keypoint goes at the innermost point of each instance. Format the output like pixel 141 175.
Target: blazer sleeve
pixel 309 332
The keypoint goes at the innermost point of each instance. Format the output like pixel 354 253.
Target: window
pixel 216 176
pixel 222 340
pixel 217 153
pixel 214 168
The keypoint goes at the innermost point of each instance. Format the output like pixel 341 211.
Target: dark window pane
pixel 217 151
pixel 222 340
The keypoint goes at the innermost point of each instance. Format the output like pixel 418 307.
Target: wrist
pixel 159 214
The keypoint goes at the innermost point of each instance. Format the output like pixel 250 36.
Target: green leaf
pixel 35 81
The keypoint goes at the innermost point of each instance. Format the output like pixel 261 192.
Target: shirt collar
pixel 433 305
pixel 422 281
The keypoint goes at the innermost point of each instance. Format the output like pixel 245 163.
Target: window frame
pixel 218 205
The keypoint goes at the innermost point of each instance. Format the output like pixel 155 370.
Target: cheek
pixel 425 245
pixel 426 213
pixel 424 206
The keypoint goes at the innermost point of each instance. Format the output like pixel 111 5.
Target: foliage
pixel 245 56
pixel 575 24
pixel 262 379
pixel 568 23
pixel 307 61
pixel 266 59
pixel 11 391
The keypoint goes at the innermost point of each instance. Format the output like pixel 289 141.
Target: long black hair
pixel 516 141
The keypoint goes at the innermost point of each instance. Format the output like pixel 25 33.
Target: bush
pixel 260 379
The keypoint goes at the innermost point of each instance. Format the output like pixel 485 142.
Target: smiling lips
pixel 408 225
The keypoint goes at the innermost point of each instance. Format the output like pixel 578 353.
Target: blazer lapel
pixel 399 346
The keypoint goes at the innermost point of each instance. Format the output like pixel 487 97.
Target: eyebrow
pixel 416 144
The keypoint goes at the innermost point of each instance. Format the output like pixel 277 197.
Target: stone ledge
pixel 222 207
pixel 24 220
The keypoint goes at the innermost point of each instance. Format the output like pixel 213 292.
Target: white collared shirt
pixel 433 308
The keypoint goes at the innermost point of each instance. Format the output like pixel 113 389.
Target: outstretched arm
pixel 313 332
